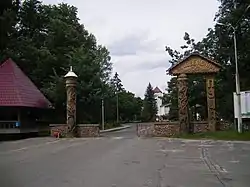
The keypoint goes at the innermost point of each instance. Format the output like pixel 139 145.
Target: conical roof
pixel 17 90
pixel 157 90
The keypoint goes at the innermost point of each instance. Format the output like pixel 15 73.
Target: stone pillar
pixel 183 102
pixel 71 80
pixel 211 103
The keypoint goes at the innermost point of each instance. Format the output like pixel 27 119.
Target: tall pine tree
pixel 116 83
pixel 149 110
pixel 118 87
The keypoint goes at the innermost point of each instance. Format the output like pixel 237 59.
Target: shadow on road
pixel 14 137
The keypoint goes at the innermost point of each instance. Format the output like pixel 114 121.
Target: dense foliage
pixel 149 110
pixel 218 45
pixel 44 40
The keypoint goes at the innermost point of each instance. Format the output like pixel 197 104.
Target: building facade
pixel 162 110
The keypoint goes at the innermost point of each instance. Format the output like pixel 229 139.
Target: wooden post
pixel 19 116
pixel 183 102
pixel 211 102
pixel 71 80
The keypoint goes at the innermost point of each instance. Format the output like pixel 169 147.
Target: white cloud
pixel 136 32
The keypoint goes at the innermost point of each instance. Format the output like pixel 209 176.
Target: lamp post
pixel 71 80
pixel 103 120
pixel 237 76
pixel 117 108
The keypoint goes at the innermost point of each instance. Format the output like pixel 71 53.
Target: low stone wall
pixel 82 130
pixel 222 126
pixel 170 129
pixel 145 129
pixel 88 130
pixel 166 129
pixel 57 128
pixel 200 126
pixel 158 129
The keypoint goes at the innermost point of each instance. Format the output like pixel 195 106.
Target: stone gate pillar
pixel 183 102
pixel 211 102
pixel 71 80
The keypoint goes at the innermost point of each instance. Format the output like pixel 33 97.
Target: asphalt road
pixel 120 159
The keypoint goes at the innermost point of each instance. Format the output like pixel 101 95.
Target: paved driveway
pixel 122 160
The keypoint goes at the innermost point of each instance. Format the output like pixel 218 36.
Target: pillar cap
pixel 70 73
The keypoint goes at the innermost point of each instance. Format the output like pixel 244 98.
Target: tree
pixel 218 45
pixel 44 40
pixel 129 106
pixel 170 99
pixel 118 87
pixel 116 83
pixel 8 18
pixel 149 110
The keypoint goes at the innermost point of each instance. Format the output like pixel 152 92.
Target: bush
pixel 112 125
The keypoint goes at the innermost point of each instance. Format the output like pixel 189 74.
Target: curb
pixel 116 129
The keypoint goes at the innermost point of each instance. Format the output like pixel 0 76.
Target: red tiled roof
pixel 157 90
pixel 16 89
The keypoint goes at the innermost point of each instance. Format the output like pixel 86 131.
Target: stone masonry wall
pixel 145 129
pixel 200 126
pixel 82 130
pixel 88 130
pixel 222 126
pixel 158 129
pixel 58 128
pixel 166 129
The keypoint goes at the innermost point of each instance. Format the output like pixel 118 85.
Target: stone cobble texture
pixel 88 130
pixel 82 130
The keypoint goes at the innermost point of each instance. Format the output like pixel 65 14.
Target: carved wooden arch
pixel 195 64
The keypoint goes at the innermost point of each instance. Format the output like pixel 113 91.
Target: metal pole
pixel 117 109
pixel 102 114
pixel 237 80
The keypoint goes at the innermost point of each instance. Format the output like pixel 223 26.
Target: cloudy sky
pixel 137 31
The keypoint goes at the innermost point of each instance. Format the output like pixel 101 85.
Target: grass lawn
pixel 218 135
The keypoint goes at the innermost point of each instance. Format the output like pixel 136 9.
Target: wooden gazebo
pixel 21 103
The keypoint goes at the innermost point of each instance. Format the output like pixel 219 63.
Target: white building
pixel 162 110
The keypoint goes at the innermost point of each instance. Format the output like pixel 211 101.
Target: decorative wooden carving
pixel 183 102
pixel 195 64
pixel 211 102
pixel 71 104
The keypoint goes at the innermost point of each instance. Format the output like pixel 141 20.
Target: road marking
pixel 205 145
pixel 171 150
pixel 234 161
pixel 220 168
pixel 117 138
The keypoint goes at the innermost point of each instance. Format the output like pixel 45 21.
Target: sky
pixel 137 31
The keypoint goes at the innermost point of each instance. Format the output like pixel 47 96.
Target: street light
pixel 237 77
pixel 103 120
